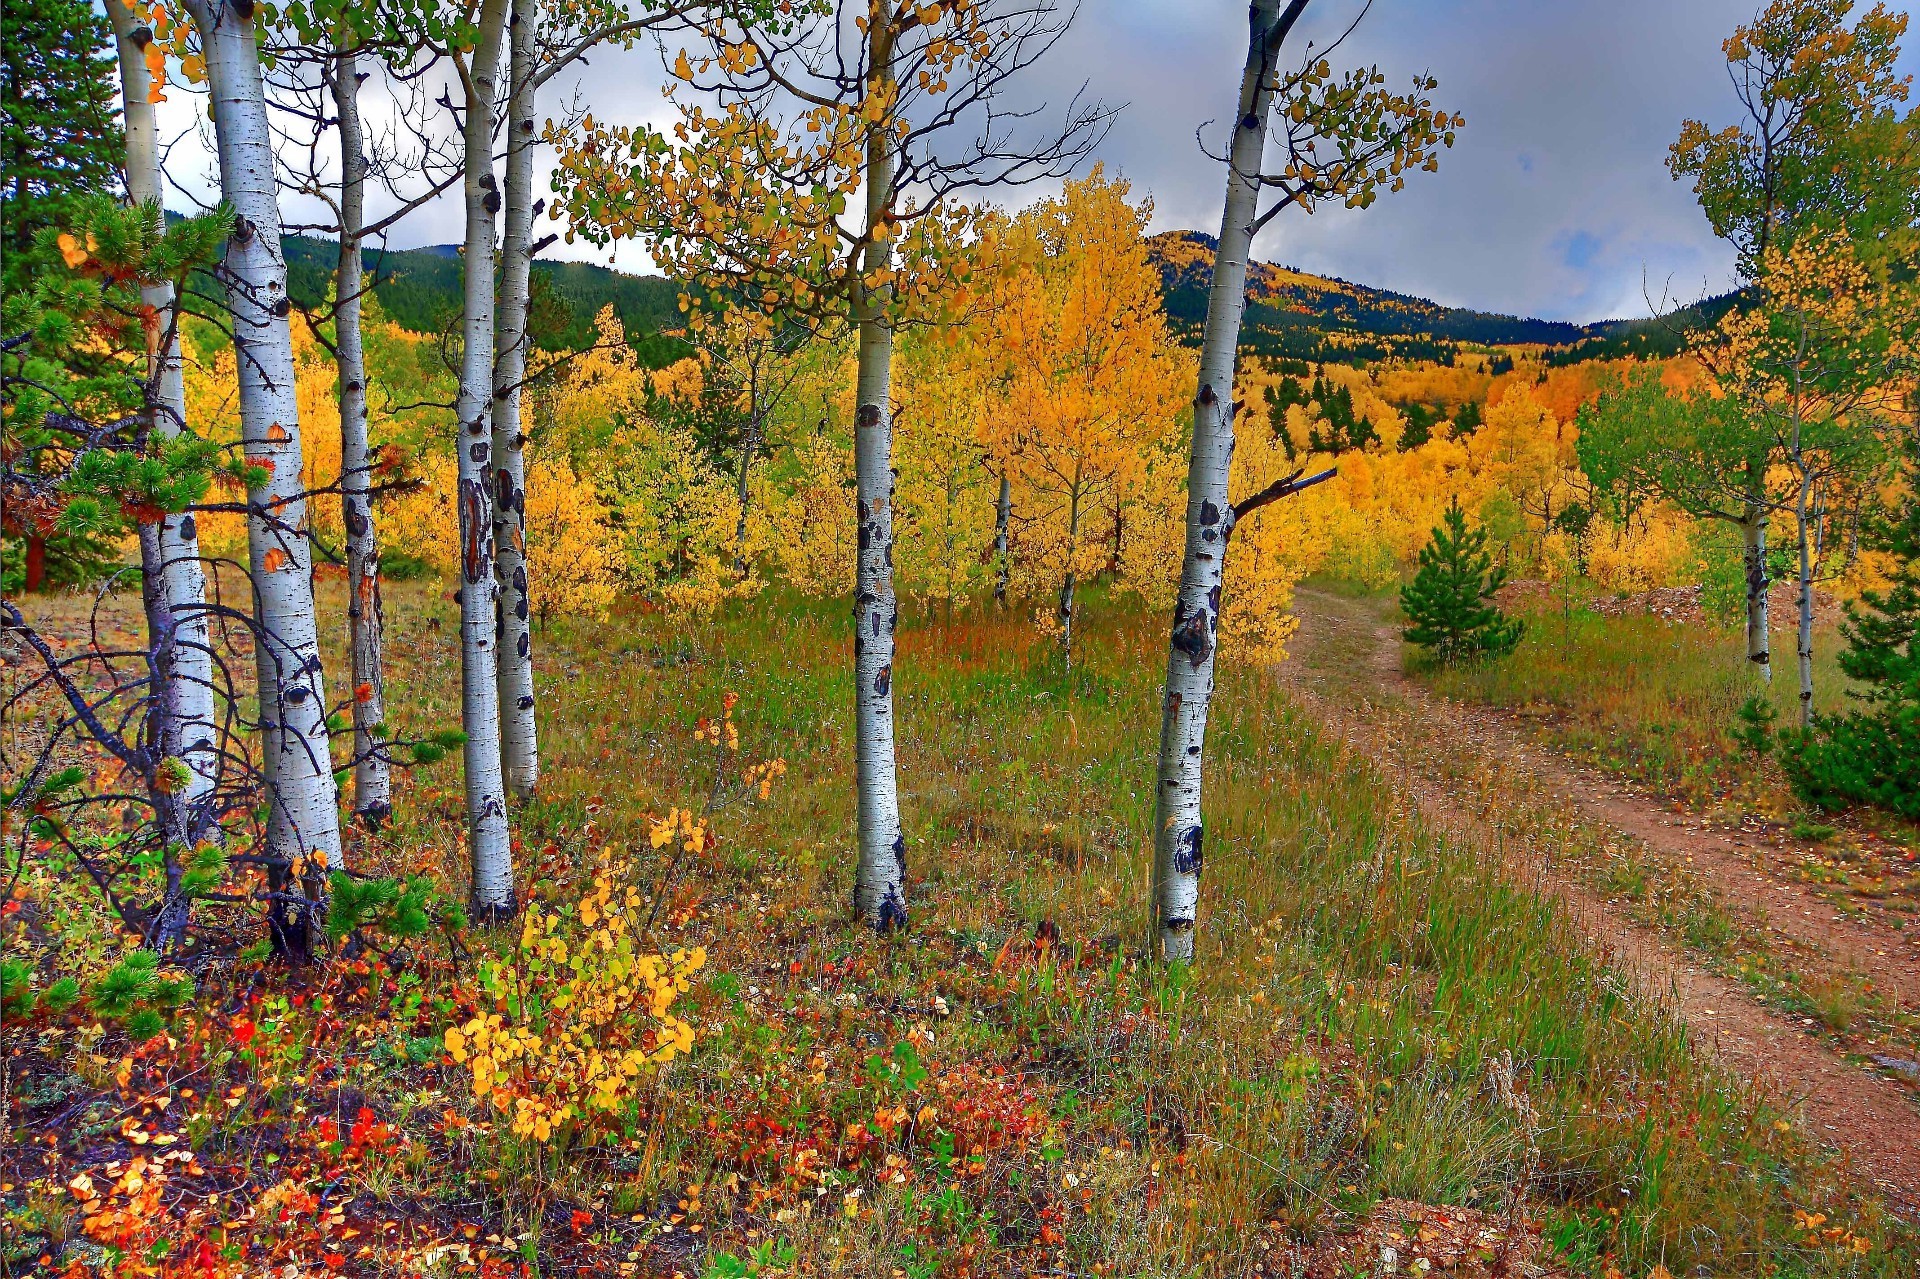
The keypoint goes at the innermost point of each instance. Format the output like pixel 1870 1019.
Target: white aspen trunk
pixel 1178 831
pixel 1804 516
pixel 519 739
pixel 173 559
pixel 489 843
pixel 305 817
pixel 880 883
pixel 172 807
pixel 372 773
pixel 1753 555
pixel 1002 516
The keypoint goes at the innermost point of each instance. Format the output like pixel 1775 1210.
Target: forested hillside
pixel 419 289
pixel 1291 314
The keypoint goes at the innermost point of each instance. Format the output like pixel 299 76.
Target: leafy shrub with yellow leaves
pixel 580 1014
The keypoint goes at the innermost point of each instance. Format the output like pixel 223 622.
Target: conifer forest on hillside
pixel 695 639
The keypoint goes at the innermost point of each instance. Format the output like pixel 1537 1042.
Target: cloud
pixel 1556 202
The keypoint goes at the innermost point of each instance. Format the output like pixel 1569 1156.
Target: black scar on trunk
pixel 1188 856
pixel 883 682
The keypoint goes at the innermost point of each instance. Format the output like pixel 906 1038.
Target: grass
pixel 1650 699
pixel 1008 1088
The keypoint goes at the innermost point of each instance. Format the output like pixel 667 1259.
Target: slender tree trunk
pixel 1753 554
pixel 489 842
pixel 1804 517
pixel 372 773
pixel 1067 584
pixel 1002 516
pixel 36 563
pixel 1178 833
pixel 519 739
pixel 748 447
pixel 171 805
pixel 175 555
pixel 305 818
pixel 880 884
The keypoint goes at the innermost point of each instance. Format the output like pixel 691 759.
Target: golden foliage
pixel 579 1015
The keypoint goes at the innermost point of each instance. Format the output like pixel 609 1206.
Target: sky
pixel 1555 201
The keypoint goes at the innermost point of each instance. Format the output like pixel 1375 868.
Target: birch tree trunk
pixel 880 883
pixel 172 560
pixel 1753 557
pixel 372 774
pixel 1178 832
pixel 305 817
pixel 1002 516
pixel 488 840
pixel 519 739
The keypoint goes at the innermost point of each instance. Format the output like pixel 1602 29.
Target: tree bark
pixel 749 445
pixel 305 819
pixel 1753 555
pixel 372 773
pixel 519 738
pixel 174 557
pixel 36 564
pixel 1804 517
pixel 1178 831
pixel 171 806
pixel 1067 584
pixel 488 839
pixel 1002 517
pixel 880 883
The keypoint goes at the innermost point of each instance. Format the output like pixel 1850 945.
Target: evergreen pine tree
pixel 1871 754
pixel 1449 601
pixel 59 129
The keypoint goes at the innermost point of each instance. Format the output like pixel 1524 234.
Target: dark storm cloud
pixel 1556 202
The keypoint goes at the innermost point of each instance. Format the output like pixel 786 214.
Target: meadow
pixel 1379 1017
pixel 1654 699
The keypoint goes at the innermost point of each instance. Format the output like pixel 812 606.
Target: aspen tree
pixel 1824 364
pixel 826 181
pixel 1090 390
pixel 320 69
pixel 174 565
pixel 488 838
pixel 1819 143
pixel 1343 137
pixel 542 41
pixel 304 825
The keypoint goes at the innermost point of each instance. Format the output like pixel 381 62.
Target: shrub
pixel 572 1022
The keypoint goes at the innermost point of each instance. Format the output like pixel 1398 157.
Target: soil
pixel 1345 648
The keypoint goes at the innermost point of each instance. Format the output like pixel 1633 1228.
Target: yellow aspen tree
pixel 819 167
pixel 1824 365
pixel 1089 389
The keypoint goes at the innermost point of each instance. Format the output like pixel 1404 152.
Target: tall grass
pixel 1375 1011
pixel 1650 698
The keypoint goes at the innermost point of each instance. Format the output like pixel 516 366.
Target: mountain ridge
pixel 1291 314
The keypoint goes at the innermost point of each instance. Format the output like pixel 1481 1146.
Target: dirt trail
pixel 1348 667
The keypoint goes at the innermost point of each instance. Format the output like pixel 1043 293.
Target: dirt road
pixel 1475 771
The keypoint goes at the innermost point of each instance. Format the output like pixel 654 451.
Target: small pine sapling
pixel 1450 600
